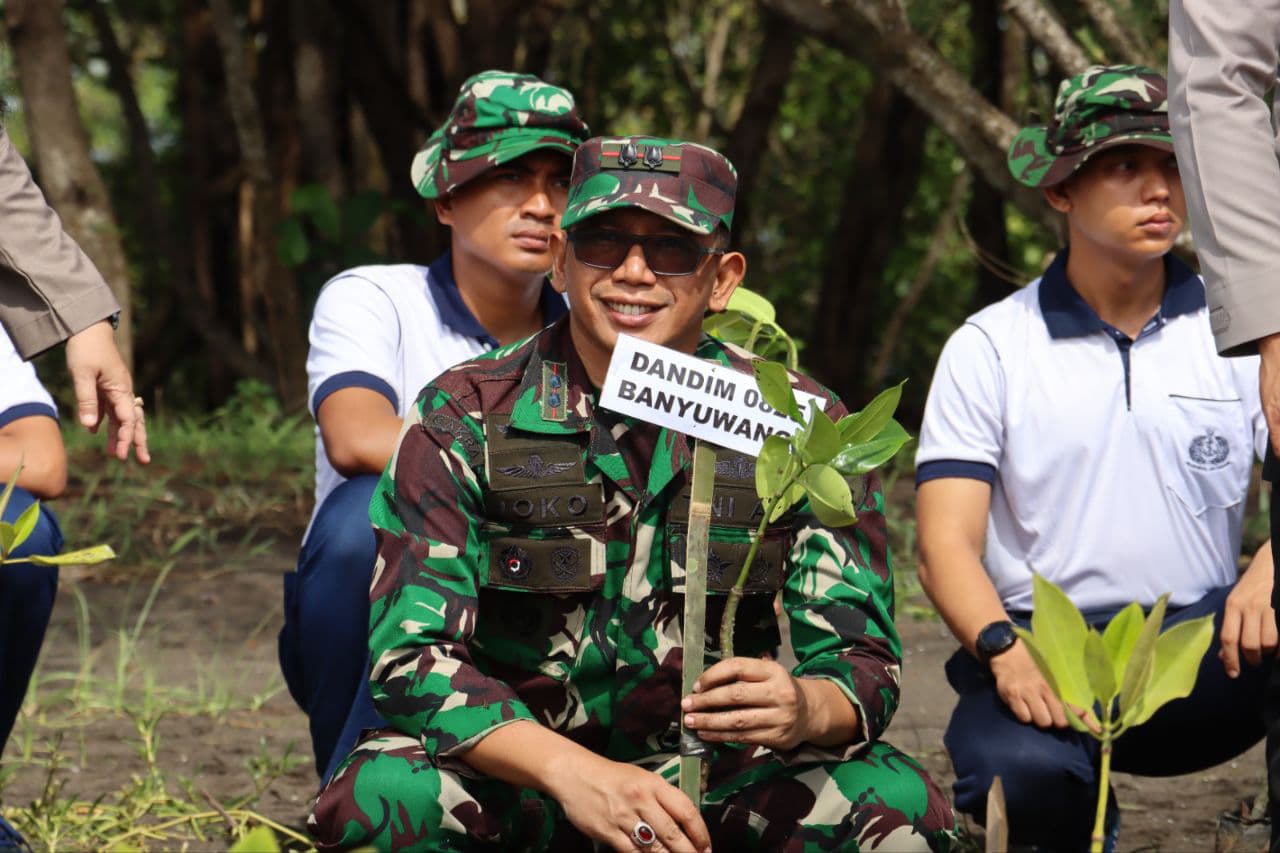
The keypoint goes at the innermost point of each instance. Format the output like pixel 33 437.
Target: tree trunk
pixel 750 136
pixel 61 147
pixel 985 215
pixel 881 184
pixel 268 283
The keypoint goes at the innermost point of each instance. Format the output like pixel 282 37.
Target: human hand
pixel 104 388
pixel 750 700
pixel 1024 689
pixel 1248 620
pixel 1269 386
pixel 607 799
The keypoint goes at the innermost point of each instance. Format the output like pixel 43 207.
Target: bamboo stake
pixel 692 750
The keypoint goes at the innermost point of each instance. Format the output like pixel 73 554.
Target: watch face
pixel 996 638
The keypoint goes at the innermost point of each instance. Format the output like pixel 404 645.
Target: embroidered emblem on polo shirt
pixel 555 391
pixel 1208 452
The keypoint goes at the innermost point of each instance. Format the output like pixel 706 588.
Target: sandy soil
pixel 219 626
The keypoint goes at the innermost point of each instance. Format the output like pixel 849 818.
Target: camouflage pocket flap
pixel 563 564
pixel 519 462
pixel 726 558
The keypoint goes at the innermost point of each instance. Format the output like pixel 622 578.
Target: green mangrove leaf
pixel 866 424
pixel 1059 632
pixel 1043 665
pixel 8 489
pixel 1137 673
pixel 819 441
pixel 258 840
pixel 1100 670
pixel 25 524
pixel 775 387
pixel 83 557
pixel 793 496
pixel 1121 635
pixel 829 495
pixel 771 465
pixel 752 304
pixel 1178 654
pixel 861 458
pixel 7 535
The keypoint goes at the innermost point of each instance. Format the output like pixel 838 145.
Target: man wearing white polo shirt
pixel 29 436
pixel 1083 429
pixel 497 172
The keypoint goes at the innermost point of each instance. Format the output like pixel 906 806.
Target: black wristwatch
pixel 995 639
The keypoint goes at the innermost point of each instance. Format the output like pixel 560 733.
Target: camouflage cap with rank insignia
pixel 1103 106
pixel 683 182
pixel 498 116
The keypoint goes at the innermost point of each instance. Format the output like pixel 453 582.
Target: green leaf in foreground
pixel 819 441
pixel 1177 658
pixel 83 557
pixel 829 496
pixel 775 387
pixel 865 425
pixel 752 304
pixel 860 458
pixel 26 523
pixel 1137 672
pixel 1099 669
pixel 258 840
pixel 771 465
pixel 1041 664
pixel 1060 632
pixel 1121 636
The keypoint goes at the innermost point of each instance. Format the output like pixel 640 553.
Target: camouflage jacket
pixel 531 568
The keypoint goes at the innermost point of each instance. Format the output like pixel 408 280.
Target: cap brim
pixel 1035 169
pixel 474 162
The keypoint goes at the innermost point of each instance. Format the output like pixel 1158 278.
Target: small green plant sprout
pixel 749 320
pixel 1110 682
pixel 13 535
pixel 815 463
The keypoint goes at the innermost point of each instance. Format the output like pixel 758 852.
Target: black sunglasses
pixel 666 254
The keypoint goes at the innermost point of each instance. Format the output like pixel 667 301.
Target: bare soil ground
pixel 226 724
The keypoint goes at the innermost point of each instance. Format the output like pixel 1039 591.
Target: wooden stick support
pixel 692 750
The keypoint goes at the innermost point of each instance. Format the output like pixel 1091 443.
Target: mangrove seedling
pixel 814 462
pixel 1110 682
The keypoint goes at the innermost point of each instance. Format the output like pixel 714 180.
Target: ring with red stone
pixel 643 834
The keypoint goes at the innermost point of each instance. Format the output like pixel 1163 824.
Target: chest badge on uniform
pixel 535 468
pixel 555 391
pixel 564 564
pixel 516 562
pixel 1208 452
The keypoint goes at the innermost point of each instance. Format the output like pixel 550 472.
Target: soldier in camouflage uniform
pixel 526 619
pixel 1083 429
pixel 496 173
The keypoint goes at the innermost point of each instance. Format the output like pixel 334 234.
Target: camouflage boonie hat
pixel 685 183
pixel 499 116
pixel 1103 106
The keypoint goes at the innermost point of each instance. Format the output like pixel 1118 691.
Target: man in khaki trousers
pixel 1222 61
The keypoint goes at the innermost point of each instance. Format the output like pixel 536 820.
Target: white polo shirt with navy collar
pixel 1118 467
pixel 21 394
pixel 392 329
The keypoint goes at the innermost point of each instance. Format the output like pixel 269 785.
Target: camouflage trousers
pixel 389 796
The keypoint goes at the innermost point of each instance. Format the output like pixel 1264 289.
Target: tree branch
pixel 1125 45
pixel 1046 29
pixel 877 32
